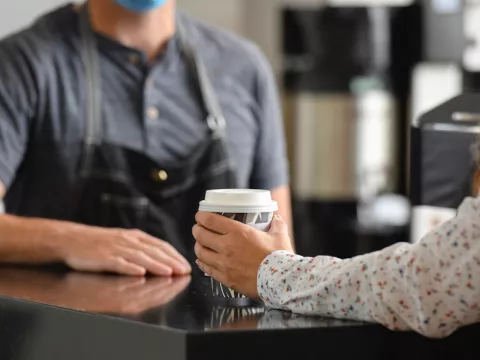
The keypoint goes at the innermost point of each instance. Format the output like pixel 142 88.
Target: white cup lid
pixel 238 201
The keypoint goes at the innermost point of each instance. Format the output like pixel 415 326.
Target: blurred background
pixel 353 76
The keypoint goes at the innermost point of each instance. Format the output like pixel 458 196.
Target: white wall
pixel 224 13
pixel 228 14
pixel 255 19
pixel 20 13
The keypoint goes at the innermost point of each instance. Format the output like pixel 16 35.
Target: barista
pixel 115 117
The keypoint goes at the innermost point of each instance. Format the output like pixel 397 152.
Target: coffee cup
pixel 254 208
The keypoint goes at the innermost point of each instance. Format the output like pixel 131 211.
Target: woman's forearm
pixel 429 287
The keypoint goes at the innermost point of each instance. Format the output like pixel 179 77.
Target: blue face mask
pixel 141 5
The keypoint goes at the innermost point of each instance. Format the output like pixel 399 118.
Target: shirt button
pixel 134 59
pixel 162 175
pixel 153 113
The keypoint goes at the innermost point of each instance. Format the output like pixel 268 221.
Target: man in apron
pixel 115 117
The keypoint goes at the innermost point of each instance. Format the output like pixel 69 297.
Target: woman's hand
pixel 231 252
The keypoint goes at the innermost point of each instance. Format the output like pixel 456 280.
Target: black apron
pixel 122 188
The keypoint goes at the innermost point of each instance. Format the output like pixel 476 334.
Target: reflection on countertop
pixel 183 303
pixel 103 294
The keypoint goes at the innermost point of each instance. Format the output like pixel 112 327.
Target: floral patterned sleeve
pixel 432 287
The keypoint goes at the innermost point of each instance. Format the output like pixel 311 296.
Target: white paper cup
pixel 251 207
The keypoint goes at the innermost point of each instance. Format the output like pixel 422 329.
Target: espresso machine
pixel 346 78
pixel 357 76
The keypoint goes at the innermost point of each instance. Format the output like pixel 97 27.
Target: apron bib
pixel 122 188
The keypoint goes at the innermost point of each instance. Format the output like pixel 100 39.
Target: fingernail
pixel 141 272
pixel 278 217
pixel 168 272
pixel 180 270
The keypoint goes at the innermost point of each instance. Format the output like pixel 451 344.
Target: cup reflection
pixel 235 318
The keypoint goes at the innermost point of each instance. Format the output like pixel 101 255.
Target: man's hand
pixel 231 252
pixel 87 248
pixel 127 252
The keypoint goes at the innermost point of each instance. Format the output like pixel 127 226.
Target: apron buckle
pixel 215 123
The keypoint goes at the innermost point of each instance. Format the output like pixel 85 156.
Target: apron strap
pixel 92 66
pixel 93 131
pixel 215 119
pixel 93 134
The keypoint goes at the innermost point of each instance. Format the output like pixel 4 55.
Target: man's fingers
pixel 207 256
pixel 156 266
pixel 162 257
pixel 177 267
pixel 208 239
pixel 166 247
pixel 160 251
pixel 170 250
pixel 216 223
pixel 121 266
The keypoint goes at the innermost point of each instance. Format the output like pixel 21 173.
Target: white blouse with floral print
pixel 432 287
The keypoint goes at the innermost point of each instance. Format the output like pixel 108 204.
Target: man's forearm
pixel 31 241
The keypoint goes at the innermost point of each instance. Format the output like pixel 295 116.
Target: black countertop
pixel 53 315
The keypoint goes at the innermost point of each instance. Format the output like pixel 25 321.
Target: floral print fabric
pixel 432 287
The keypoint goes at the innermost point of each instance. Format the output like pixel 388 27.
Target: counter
pixel 48 314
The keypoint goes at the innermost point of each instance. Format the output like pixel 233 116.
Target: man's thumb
pixel 278 225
